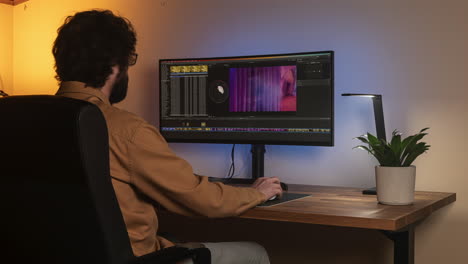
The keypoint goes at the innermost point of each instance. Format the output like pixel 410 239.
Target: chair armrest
pixel 172 255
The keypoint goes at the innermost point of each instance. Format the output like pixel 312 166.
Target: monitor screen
pixel 267 99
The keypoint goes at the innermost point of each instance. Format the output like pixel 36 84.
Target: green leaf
pixel 409 144
pixel 363 139
pixel 419 149
pixel 396 146
pixel 424 129
pixel 373 140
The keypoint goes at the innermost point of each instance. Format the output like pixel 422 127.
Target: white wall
pixel 412 52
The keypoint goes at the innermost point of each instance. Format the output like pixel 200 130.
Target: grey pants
pixel 236 253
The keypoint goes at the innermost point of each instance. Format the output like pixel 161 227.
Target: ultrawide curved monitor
pixel 266 99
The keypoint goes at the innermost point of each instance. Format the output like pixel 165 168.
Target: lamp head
pixel 362 95
pixel 378 112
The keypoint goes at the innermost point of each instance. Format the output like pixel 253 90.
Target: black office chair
pixel 57 203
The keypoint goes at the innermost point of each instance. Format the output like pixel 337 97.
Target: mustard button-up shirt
pixel 143 166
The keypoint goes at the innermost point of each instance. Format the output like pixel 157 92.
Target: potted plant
pixel 395 177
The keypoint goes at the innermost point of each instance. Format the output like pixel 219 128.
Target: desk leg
pixel 403 242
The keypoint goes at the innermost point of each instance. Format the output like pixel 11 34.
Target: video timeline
pixel 244 129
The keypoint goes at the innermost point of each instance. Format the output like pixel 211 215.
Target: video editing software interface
pixel 270 99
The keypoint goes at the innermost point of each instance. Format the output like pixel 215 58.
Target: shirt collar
pixel 81 91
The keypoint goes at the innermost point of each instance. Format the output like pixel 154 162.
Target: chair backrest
pixel 57 202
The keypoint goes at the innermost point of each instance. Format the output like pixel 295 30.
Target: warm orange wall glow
pixel 33 35
pixel 6 48
pixel 35 28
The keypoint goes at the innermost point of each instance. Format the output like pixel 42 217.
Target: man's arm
pixel 169 180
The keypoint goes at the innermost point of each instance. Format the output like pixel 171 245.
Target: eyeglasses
pixel 132 59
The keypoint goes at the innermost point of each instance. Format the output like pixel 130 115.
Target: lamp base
pixel 370 191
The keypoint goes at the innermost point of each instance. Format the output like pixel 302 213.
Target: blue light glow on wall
pixel 362 61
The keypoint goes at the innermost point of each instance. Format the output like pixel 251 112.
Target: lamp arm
pixel 379 117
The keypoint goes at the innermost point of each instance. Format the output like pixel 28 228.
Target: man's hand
pixel 268 186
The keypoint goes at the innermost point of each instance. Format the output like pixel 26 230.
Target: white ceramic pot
pixel 395 185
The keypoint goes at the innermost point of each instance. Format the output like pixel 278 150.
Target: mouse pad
pixel 286 198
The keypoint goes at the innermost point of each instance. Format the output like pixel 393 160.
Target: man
pixel 93 51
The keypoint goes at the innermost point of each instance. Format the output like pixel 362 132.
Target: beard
pixel 119 90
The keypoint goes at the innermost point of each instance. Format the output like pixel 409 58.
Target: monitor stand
pixel 258 161
pixel 258 168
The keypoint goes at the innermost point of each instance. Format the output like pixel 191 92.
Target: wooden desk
pixel 348 207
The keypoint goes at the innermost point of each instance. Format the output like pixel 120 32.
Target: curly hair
pixel 90 43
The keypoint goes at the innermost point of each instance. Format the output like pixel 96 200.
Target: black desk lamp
pixel 379 122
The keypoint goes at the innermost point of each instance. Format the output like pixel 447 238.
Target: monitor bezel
pixel 259 141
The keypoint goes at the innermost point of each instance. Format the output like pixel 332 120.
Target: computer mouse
pixel 274 197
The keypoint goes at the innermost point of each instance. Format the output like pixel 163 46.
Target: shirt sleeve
pixel 169 180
